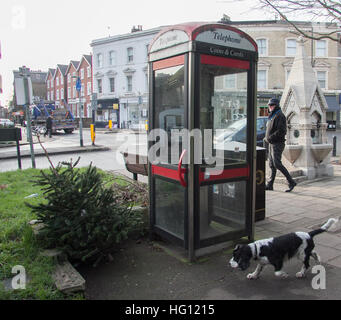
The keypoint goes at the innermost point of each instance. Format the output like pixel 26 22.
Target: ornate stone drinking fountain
pixel 304 105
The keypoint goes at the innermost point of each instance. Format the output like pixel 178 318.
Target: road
pixel 107 160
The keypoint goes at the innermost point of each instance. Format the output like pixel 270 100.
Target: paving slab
pixel 327 239
pixel 326 253
pixel 335 262
pixel 311 213
pixel 285 217
pixel 67 279
pixel 140 271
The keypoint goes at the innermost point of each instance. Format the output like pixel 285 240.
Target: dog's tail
pixel 324 228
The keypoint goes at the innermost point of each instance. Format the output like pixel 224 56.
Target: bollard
pixel 334 146
pixel 93 133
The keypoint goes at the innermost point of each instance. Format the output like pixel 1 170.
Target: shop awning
pixel 107 103
pixel 332 102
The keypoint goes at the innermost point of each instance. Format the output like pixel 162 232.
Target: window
pixel 231 107
pixel 129 83
pixel 230 81
pixel 322 79
pixel 82 91
pixel 99 60
pixel 82 74
pixel 112 58
pixel 62 80
pixel 291 47
pixel 130 54
pixel 261 79
pixel 48 96
pixel 57 94
pixel 99 85
pixel 69 78
pixel 112 84
pixel 321 48
pixel 74 76
pixel 51 83
pixel 262 47
pixel 48 84
pixel 74 92
pixel 57 81
pixel 52 96
pixel 61 94
pixel 88 72
pixel 69 92
pixel 89 88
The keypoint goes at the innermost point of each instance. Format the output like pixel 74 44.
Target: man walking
pixel 276 130
pixel 48 127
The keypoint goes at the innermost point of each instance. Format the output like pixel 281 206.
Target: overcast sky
pixel 43 33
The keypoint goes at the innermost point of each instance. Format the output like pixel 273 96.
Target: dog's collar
pixel 254 250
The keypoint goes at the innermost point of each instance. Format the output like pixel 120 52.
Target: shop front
pixel 107 109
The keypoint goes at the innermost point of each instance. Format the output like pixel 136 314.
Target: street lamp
pixel 79 88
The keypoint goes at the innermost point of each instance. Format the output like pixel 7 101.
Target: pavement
pixel 146 270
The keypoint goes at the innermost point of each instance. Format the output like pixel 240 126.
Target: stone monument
pixel 304 106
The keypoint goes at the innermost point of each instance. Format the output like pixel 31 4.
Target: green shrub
pixel 81 216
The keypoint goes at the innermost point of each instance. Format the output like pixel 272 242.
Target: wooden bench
pixel 136 164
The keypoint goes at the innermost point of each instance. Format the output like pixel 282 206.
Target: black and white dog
pixel 275 251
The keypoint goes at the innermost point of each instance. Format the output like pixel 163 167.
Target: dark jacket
pixel 49 123
pixel 276 127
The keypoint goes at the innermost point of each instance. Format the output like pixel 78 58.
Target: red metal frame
pixel 225 62
pixel 178 175
pixel 172 174
pixel 225 175
pixel 171 62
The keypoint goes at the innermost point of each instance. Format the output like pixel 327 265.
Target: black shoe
pixel 292 185
pixel 269 187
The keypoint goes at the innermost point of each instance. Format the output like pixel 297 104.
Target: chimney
pixel 225 19
pixel 135 29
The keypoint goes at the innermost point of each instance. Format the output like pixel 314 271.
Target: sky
pixel 40 34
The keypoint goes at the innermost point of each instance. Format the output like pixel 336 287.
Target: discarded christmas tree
pixel 81 216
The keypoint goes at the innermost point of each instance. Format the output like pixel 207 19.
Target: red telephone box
pixel 203 77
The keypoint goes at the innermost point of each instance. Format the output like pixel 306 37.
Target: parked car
pixel 331 125
pixel 6 123
pixel 237 132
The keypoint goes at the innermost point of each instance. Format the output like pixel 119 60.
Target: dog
pixel 276 251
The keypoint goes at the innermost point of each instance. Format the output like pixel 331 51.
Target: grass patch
pixel 18 245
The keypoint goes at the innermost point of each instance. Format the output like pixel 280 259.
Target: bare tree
pixel 325 10
pixel 328 11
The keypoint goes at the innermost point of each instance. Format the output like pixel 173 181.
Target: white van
pixel 6 123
